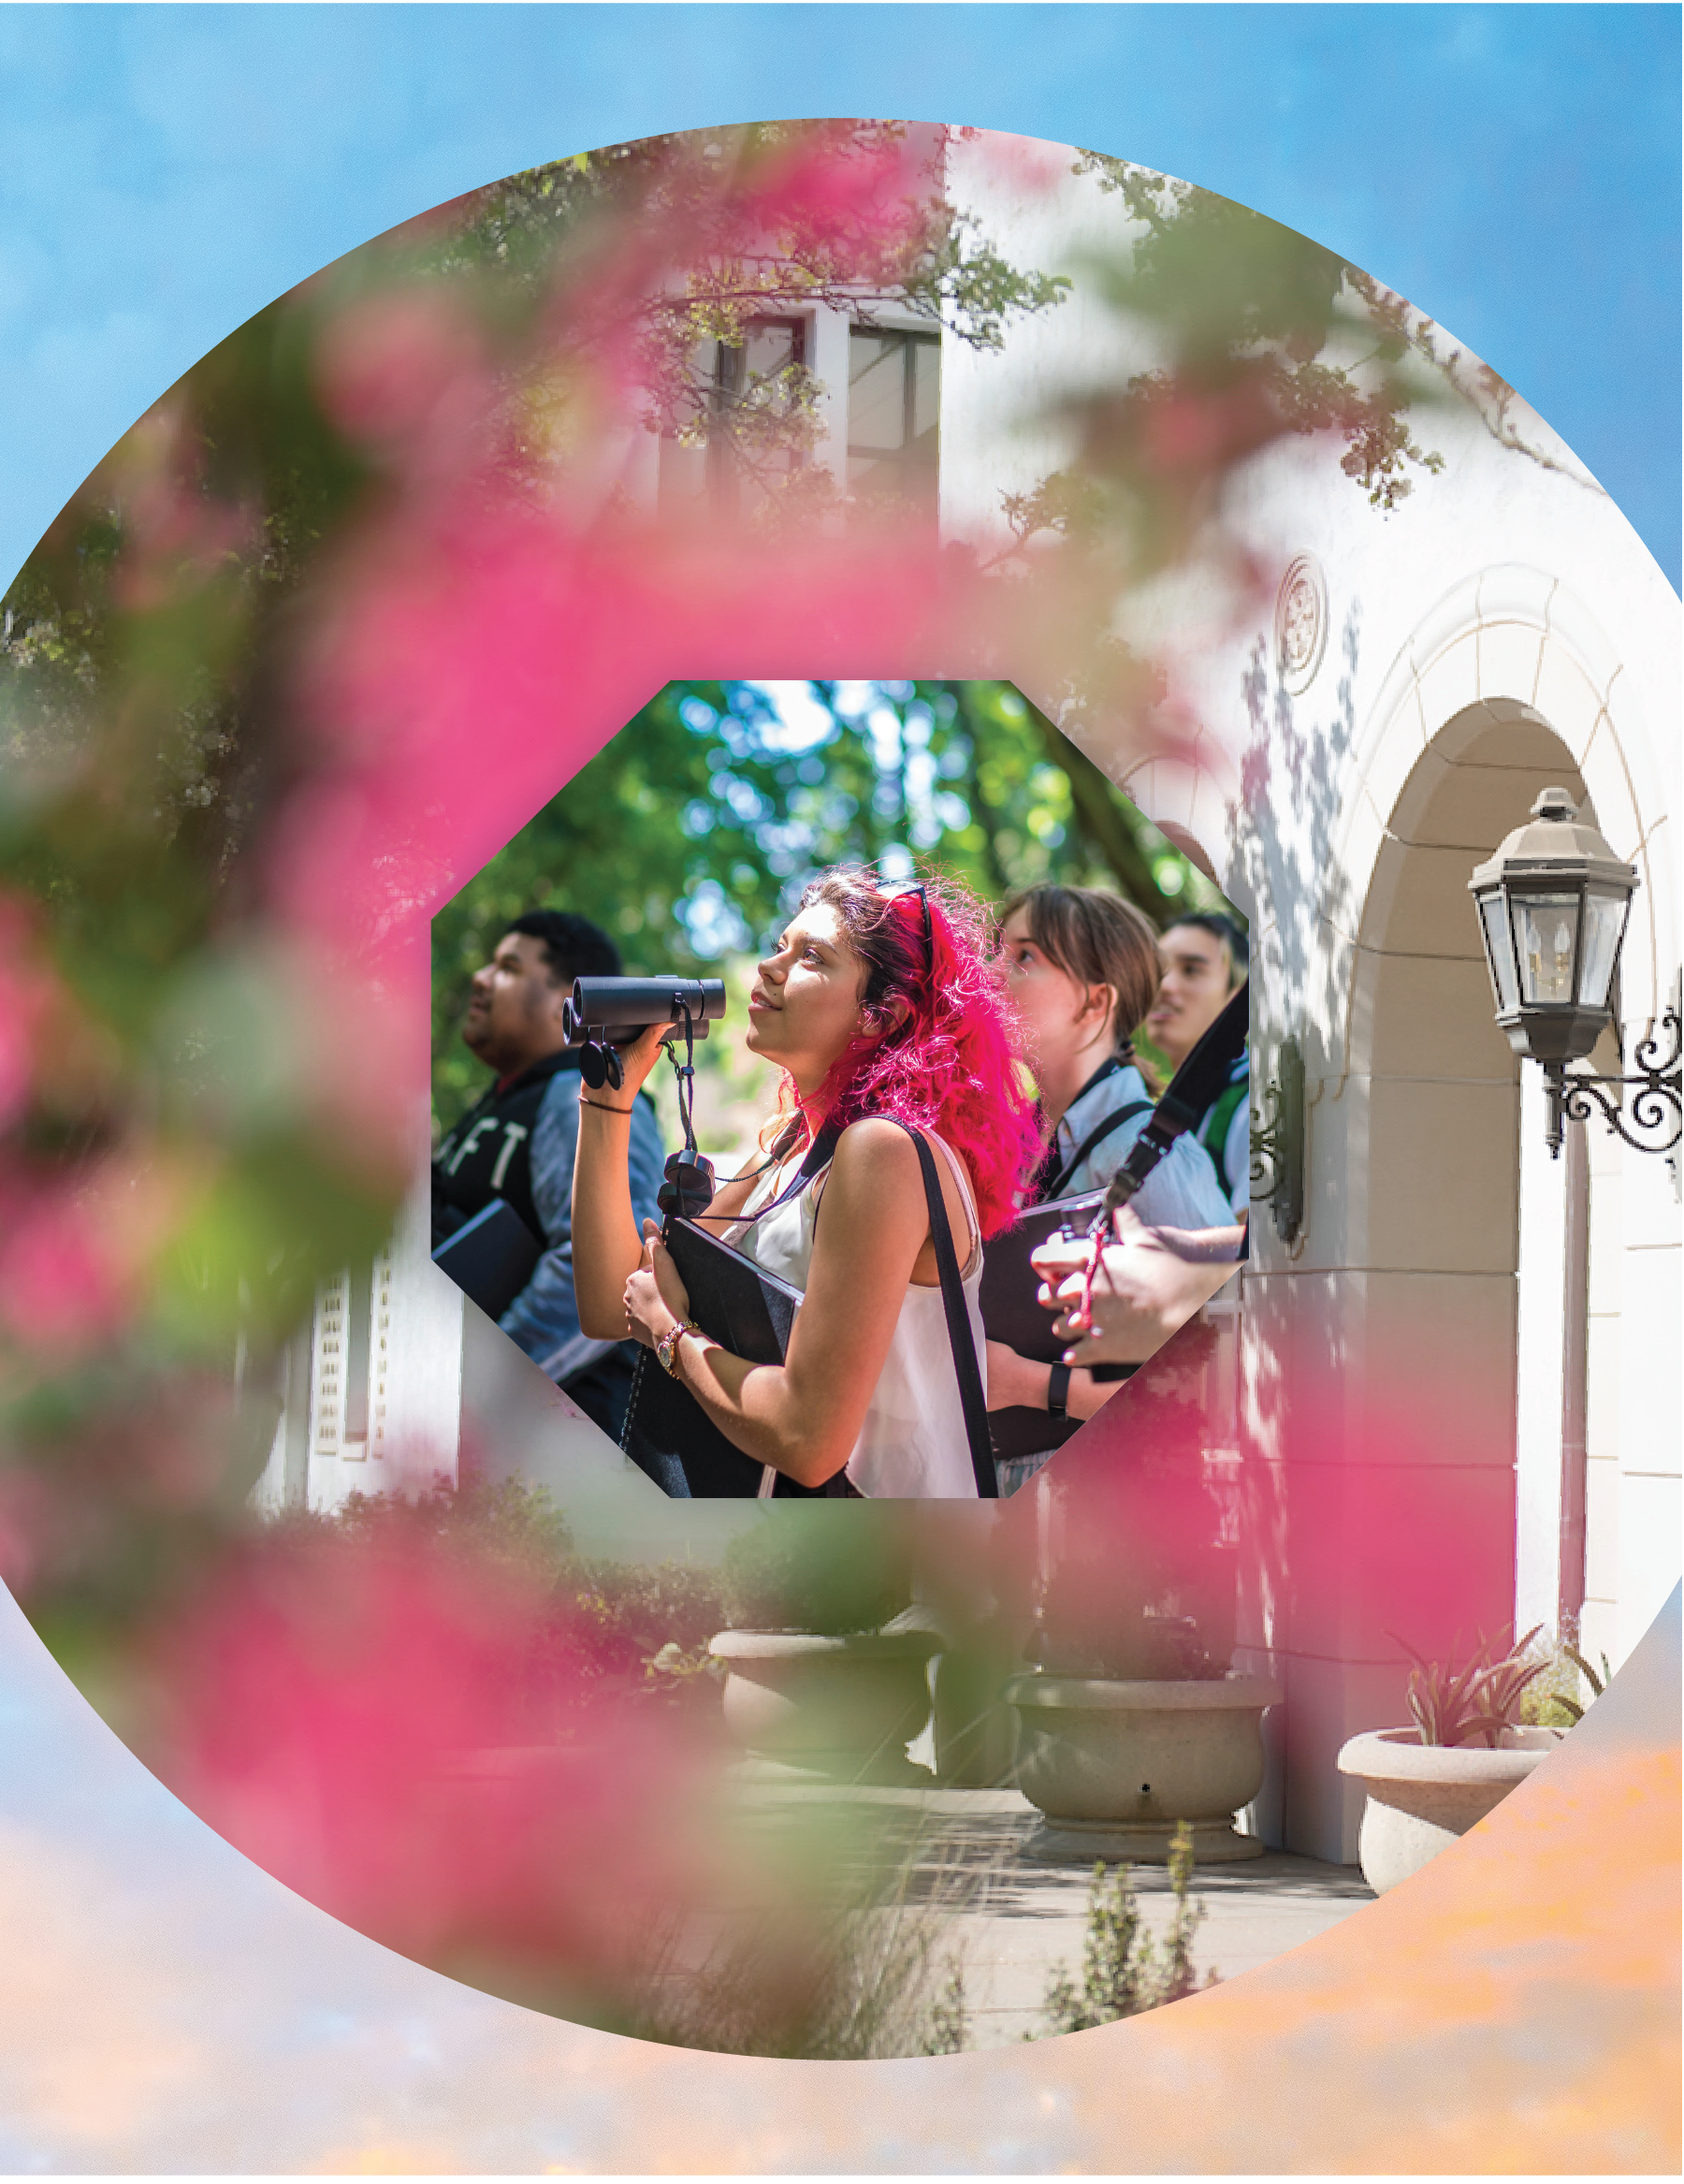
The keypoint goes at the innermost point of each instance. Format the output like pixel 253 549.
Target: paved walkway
pixel 1015 1920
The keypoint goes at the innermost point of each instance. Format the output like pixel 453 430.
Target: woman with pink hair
pixel 882 1008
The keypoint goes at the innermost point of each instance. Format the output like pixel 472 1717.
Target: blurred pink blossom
pixel 411 1736
pixel 176 538
pixel 59 1286
pixel 404 374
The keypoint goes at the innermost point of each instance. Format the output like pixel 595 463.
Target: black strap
pixel 1096 1136
pixel 1058 1390
pixel 1195 1088
pixel 959 1327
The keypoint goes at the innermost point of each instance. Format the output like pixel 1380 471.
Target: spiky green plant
pixel 1553 1702
pixel 1482 1698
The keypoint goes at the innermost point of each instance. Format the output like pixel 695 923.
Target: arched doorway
pixel 1410 1401
pixel 1385 1507
pixel 1479 1246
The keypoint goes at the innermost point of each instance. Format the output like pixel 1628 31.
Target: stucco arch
pixel 1402 1299
pixel 1512 648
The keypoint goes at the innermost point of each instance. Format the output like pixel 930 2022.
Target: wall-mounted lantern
pixel 1278 1145
pixel 1552 906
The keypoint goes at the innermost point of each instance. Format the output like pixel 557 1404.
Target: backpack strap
pixel 958 1319
pixel 1212 1131
pixel 1096 1136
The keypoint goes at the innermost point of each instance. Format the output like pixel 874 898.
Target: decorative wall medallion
pixel 1300 624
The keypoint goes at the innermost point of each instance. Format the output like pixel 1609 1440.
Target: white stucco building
pixel 1375 722
pixel 1373 728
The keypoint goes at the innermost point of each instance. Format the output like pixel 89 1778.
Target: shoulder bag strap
pixel 959 1327
pixel 1096 1136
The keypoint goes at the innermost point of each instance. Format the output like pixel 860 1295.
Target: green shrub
pixel 1124 1970
pixel 652 1605
pixel 510 1522
pixel 829 1568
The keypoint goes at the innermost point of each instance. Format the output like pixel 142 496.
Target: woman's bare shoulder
pixel 880 1155
pixel 875 1145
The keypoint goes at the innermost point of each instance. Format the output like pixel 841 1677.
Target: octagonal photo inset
pixel 895 949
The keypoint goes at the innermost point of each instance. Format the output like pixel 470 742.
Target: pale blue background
pixel 165 172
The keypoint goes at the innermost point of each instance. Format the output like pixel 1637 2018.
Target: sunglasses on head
pixel 917 888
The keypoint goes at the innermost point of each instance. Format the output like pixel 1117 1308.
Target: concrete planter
pixel 1114 1765
pixel 842 1709
pixel 1421 1796
pixel 975 1728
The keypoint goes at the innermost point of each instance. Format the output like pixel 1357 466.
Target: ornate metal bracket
pixel 1278 1145
pixel 1576 1095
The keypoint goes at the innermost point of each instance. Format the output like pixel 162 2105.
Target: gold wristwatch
pixel 666 1348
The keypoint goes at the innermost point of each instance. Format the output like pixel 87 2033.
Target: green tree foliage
pixel 696 828
pixel 1261 333
pixel 605 273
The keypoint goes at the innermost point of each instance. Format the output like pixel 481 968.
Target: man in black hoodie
pixel 516 1143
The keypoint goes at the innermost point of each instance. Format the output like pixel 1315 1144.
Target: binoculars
pixel 615 1009
pixel 602 1013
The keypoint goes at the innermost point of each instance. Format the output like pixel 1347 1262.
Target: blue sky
pixel 165 172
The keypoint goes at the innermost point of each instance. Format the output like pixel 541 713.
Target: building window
pixel 745 388
pixel 358 1315
pixel 894 416
pixel 351 1351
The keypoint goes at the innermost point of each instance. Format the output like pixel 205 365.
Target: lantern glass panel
pixel 1500 952
pixel 1546 927
pixel 1605 919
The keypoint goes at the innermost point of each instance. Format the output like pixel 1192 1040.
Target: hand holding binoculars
pixel 604 1013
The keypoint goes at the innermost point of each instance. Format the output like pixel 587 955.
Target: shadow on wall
pixel 1296 762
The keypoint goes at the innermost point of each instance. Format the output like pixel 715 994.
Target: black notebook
pixel 748 1311
pixel 490 1257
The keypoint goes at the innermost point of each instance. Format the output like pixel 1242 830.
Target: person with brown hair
pixel 516 1143
pixel 1082 966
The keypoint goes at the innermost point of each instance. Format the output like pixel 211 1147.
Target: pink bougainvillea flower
pixel 59 1288
pixel 410 1736
pixel 404 374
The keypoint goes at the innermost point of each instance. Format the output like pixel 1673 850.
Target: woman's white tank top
pixel 912 1443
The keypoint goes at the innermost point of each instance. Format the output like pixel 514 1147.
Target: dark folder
pixel 490 1257
pixel 748 1311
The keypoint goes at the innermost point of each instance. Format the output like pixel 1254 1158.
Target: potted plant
pixel 1465 1750
pixel 826 1671
pixel 1131 1722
